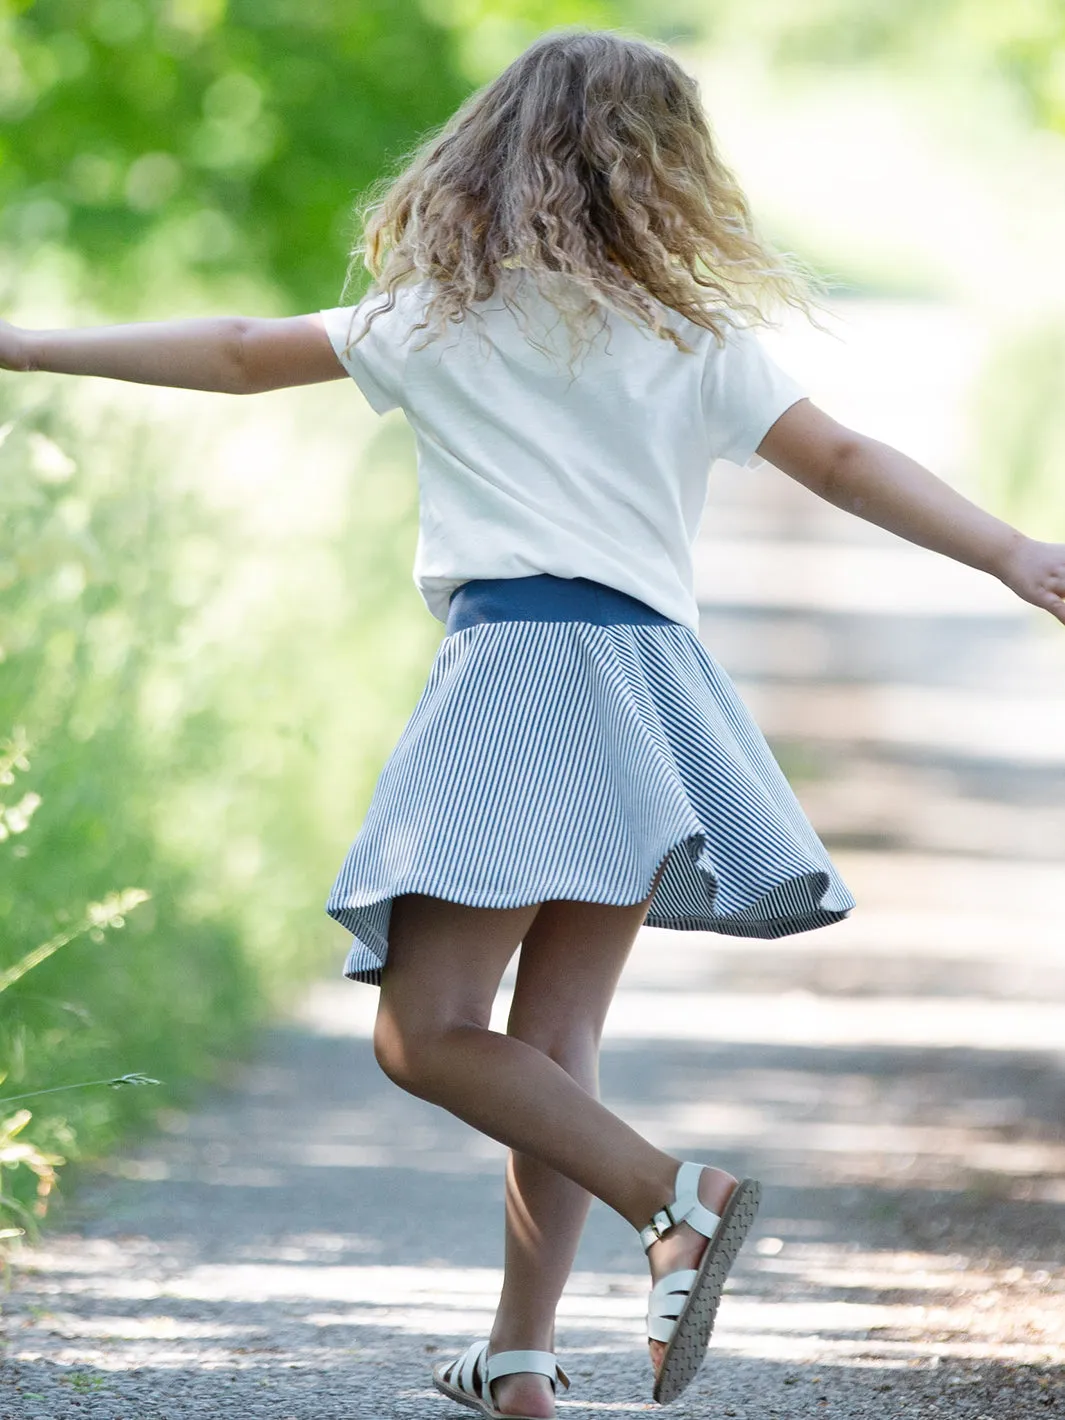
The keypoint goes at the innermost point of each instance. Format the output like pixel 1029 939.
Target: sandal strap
pixel 509 1363
pixel 463 1372
pixel 685 1208
pixel 666 1303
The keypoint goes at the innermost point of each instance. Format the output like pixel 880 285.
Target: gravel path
pixel 308 1242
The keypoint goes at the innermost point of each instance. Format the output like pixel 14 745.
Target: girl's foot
pixel 524 1393
pixel 505 1381
pixel 682 1246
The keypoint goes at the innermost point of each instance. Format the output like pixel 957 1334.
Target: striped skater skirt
pixel 569 739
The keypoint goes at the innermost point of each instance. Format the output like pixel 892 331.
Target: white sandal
pixel 683 1305
pixel 469 1379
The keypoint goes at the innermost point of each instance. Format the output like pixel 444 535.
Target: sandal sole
pixel 687 1346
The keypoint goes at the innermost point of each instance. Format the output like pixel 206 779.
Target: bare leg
pixel 431 1037
pixel 571 959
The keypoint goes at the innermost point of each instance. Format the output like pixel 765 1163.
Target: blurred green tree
pixel 154 135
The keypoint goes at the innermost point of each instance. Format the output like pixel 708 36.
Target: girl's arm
pixel 876 482
pixel 231 354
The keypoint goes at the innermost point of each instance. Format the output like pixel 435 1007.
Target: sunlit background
pixel 209 636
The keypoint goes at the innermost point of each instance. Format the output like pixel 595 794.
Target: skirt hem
pixel 365 964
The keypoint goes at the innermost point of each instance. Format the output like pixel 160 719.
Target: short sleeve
pixel 375 363
pixel 744 393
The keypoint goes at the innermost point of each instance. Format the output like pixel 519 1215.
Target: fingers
pixel 1052 601
pixel 1040 577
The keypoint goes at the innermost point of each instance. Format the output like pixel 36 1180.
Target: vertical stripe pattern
pixel 567 758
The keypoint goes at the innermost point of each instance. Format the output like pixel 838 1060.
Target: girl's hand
pixel 13 352
pixel 1036 572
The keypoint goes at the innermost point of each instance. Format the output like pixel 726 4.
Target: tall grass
pixel 196 703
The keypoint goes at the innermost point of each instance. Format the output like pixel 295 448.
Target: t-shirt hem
pixel 338 331
pixel 753 459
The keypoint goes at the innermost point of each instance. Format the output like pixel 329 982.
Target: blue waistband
pixel 545 597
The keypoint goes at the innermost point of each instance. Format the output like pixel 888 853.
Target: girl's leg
pixel 571 959
pixel 432 1038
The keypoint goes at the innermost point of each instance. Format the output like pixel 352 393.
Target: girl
pixel 560 313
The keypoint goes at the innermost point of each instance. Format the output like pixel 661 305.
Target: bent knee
pixel 409 1048
pixel 574 1048
pixel 399 1052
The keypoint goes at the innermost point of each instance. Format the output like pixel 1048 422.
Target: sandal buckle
pixel 662 1221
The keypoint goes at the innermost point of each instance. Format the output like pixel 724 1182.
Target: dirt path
pixel 309 1241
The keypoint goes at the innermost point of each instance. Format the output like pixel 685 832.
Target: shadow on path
pixel 311 1240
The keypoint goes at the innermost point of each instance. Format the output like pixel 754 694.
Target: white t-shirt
pixel 523 468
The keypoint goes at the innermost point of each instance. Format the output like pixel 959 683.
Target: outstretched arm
pixel 230 354
pixel 878 483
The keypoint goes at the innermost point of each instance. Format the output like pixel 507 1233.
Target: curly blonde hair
pixel 590 159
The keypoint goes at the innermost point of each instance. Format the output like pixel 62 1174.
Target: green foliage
pixel 98 917
pixel 17 1154
pixel 490 33
pixel 1019 416
pixel 205 707
pixel 162 138
pixel 85 607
